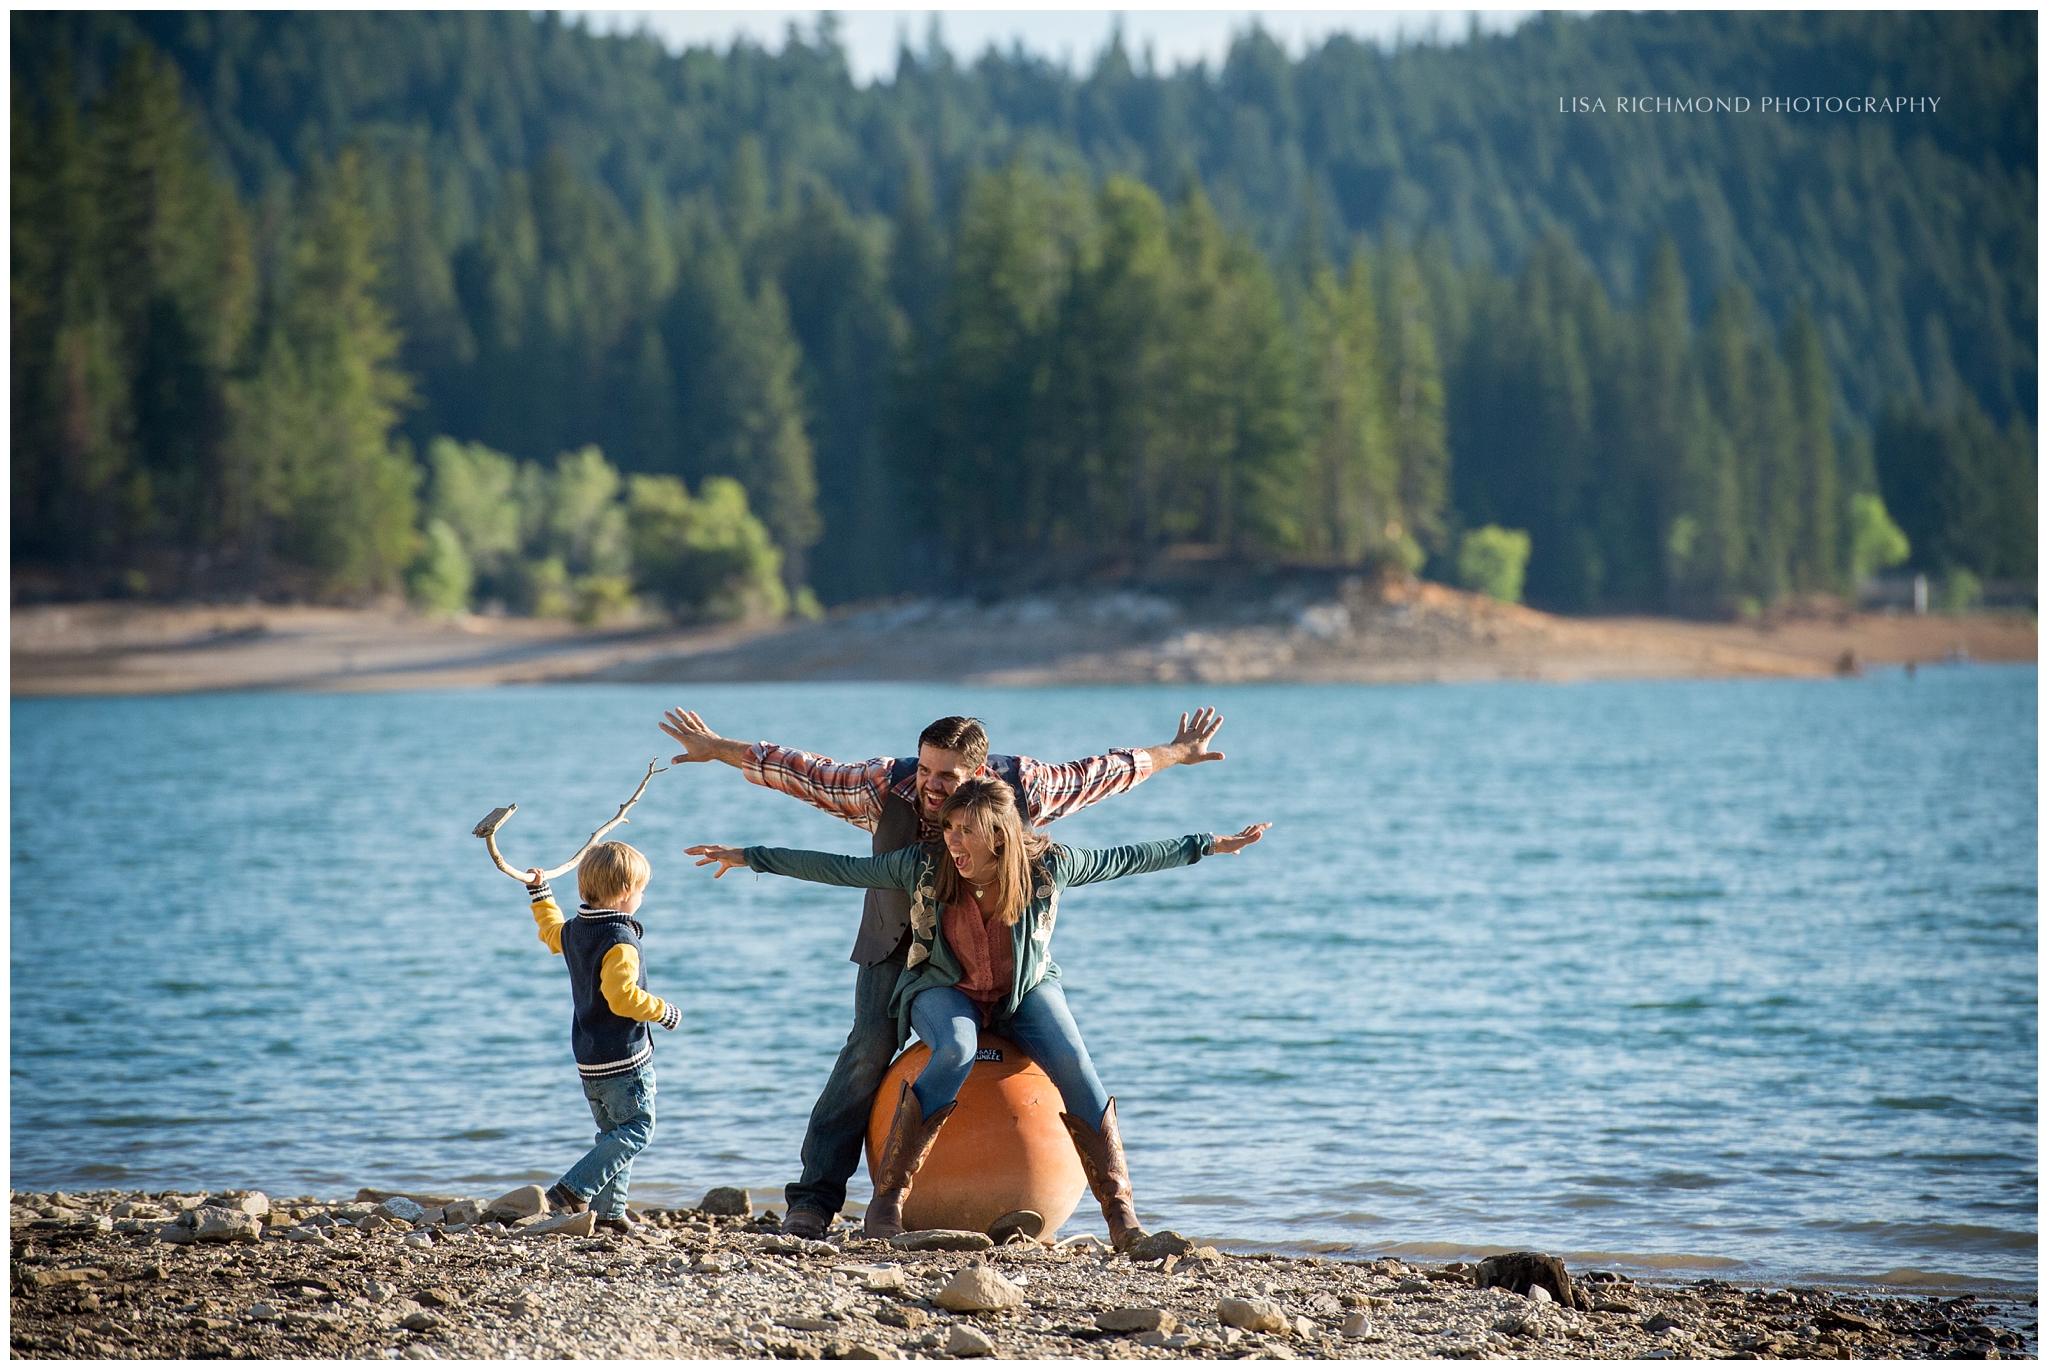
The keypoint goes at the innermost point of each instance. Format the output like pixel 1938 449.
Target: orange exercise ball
pixel 1003 1149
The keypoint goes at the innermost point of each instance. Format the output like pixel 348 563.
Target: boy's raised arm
pixel 854 791
pixel 547 914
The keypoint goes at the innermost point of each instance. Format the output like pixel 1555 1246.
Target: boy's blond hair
pixel 610 872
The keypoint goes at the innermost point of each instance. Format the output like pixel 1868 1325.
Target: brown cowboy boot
pixel 911 1135
pixel 1102 1157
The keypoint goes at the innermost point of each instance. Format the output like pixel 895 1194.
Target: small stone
pixel 1159 1244
pixel 311 1236
pixel 1137 1320
pixel 262 1312
pixel 1356 1326
pixel 226 1225
pixel 728 1202
pixel 419 1240
pixel 978 1289
pixel 524 1202
pixel 903 1316
pixel 802 1323
pixel 1414 1284
pixel 437 1297
pixel 252 1201
pixel 881 1279
pixel 420 1351
pixel 563 1224
pixel 466 1211
pixel 941 1239
pixel 422 1321
pixel 1253 1315
pixel 1538 1294
pixel 379 1222
pixel 853 1350
pixel 962 1340
pixel 50 1279
pixel 402 1209
pixel 711 1263
pixel 1304 1327
pixel 1179 1341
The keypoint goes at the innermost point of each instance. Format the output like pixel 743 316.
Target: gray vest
pixel 885 917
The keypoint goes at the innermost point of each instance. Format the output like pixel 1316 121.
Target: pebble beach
pixel 112 1275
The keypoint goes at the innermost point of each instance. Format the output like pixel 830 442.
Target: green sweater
pixel 932 964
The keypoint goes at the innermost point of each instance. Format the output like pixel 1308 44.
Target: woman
pixel 981 922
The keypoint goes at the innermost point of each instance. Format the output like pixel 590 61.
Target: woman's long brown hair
pixel 991 806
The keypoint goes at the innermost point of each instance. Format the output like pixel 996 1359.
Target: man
pixel 897 799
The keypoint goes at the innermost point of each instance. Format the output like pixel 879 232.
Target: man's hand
pixel 725 858
pixel 1190 745
pixel 1238 841
pixel 699 742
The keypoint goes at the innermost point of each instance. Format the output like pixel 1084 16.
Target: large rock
pixel 1519 1271
pixel 1137 1320
pixel 941 1239
pixel 978 1289
pixel 1158 1244
pixel 462 1211
pixel 403 1209
pixel 728 1202
pixel 524 1202
pixel 563 1224
pixel 962 1340
pixel 1253 1315
pixel 251 1201
pixel 225 1225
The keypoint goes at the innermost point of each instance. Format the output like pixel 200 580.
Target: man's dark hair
pixel 963 735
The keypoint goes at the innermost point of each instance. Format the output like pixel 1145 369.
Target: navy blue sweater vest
pixel 605 1043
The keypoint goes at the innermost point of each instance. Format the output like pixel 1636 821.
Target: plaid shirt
pixel 855 790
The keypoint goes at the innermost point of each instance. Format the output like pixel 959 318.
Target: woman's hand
pixel 724 857
pixel 1238 841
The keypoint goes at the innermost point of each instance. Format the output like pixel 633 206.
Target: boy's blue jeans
pixel 624 1108
pixel 949 1023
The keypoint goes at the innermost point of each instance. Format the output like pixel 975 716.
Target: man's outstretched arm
pixel 854 791
pixel 699 743
pixel 1057 791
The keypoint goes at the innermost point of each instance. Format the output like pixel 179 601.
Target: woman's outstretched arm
pixel 897 870
pixel 1090 866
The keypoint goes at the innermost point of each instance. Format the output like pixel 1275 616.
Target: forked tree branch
pixel 495 819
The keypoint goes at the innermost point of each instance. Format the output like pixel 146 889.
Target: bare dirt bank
pixel 1305 630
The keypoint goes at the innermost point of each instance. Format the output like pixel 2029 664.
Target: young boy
pixel 614 1049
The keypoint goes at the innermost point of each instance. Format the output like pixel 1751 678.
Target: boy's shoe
pixel 561 1200
pixel 623 1225
pixel 807 1223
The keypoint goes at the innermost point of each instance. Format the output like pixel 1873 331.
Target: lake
pixel 1709 978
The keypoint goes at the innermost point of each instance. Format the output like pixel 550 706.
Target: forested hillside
pixel 1353 307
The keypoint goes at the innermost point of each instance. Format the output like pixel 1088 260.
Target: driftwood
pixel 495 819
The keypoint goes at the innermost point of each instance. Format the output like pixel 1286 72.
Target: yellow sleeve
pixel 618 977
pixel 547 917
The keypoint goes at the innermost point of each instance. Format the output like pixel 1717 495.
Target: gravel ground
pixel 150 1276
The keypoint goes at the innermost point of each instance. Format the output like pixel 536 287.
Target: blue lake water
pixel 1731 978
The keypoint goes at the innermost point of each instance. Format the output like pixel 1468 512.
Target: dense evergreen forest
pixel 489 307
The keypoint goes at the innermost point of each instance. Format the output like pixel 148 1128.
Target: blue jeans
pixel 839 1120
pixel 624 1108
pixel 949 1023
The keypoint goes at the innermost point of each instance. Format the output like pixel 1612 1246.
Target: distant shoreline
pixel 1423 633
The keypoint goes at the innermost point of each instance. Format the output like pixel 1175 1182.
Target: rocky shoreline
pixel 111 1275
